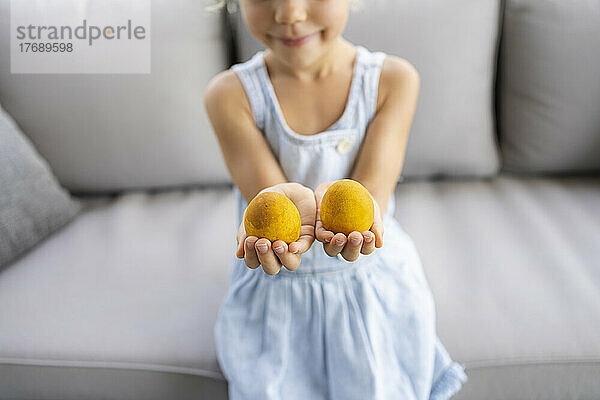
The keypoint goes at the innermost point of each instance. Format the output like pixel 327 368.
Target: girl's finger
pixel 250 256
pixel 240 248
pixel 377 229
pixel 336 245
pixel 267 258
pixel 368 245
pixel 352 249
pixel 241 239
pixel 289 260
pixel 322 234
pixel 302 244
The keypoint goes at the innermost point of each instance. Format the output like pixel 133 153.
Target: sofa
pixel 500 191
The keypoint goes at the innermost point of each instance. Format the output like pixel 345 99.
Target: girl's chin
pixel 312 49
pixel 304 49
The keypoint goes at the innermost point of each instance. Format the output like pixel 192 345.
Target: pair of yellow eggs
pixel 346 206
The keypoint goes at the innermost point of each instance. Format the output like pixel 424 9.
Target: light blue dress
pixel 332 329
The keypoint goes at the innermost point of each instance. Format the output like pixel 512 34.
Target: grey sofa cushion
pixel 128 292
pixel 515 271
pixel 32 203
pixel 121 131
pixel 549 86
pixel 453 44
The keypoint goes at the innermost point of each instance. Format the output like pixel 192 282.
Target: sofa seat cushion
pixel 514 266
pixel 122 302
pixel 129 290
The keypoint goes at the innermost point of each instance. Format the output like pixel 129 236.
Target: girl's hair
pixel 232 5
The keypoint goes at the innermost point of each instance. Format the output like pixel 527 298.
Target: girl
pixel 351 318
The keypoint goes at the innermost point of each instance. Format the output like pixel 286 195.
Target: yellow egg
pixel 347 206
pixel 273 216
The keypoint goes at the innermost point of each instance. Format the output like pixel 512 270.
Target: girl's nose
pixel 290 11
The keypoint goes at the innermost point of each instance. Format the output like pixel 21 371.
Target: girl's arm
pixel 247 154
pixel 382 153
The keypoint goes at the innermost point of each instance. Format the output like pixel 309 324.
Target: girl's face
pixel 278 24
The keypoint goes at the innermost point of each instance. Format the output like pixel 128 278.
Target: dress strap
pixel 249 76
pixel 373 64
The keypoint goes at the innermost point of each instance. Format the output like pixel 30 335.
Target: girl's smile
pixel 298 41
pixel 303 36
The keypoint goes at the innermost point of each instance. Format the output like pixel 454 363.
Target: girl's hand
pixel 357 242
pixel 289 256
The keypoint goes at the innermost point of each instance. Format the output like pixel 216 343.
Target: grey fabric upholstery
pixel 33 205
pixel 43 382
pixel 135 282
pixel 566 380
pixel 453 45
pixel 108 132
pixel 121 303
pixel 515 271
pixel 549 86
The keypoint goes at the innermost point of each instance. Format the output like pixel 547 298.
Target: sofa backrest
pixel 549 87
pixel 453 44
pixel 109 132
pixel 105 133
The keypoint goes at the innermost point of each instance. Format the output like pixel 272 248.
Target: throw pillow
pixel 33 204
